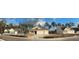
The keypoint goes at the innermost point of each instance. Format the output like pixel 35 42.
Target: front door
pixel 35 32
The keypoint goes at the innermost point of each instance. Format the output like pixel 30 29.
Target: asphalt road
pixel 74 38
pixel 12 38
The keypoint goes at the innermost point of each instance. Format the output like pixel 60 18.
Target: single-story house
pixel 39 31
pixel 76 29
pixel 68 31
pixel 15 30
pixel 11 31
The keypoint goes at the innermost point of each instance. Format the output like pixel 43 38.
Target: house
pixel 68 31
pixel 15 30
pixel 76 29
pixel 10 31
pixel 39 31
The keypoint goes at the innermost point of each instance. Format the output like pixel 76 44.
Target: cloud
pixel 2 19
pixel 40 22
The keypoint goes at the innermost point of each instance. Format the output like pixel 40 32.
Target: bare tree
pixel 2 25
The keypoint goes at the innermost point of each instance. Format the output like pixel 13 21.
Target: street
pixel 74 38
pixel 12 38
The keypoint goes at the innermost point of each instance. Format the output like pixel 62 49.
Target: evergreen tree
pixel 53 24
pixel 69 24
pixel 78 25
pixel 47 25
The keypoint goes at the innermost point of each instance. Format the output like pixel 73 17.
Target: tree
pixel 67 25
pixel 63 25
pixel 78 25
pixel 70 24
pixel 53 24
pixel 23 27
pixel 2 26
pixel 47 25
pixel 29 26
pixel 39 25
pixel 10 25
pixel 59 24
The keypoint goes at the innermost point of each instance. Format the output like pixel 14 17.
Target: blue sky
pixel 62 20
pixel 14 20
pixel 57 20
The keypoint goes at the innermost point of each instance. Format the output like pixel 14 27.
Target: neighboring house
pixel 11 31
pixel 76 29
pixel 39 31
pixel 6 31
pixel 68 31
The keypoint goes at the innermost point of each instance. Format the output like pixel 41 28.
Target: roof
pixel 52 28
pixel 38 28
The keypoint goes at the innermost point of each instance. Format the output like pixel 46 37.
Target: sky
pixel 49 20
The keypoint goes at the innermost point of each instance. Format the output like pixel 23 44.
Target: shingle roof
pixel 39 28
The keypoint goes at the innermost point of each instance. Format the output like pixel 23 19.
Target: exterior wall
pixel 40 32
pixel 45 32
pixel 77 32
pixel 69 32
